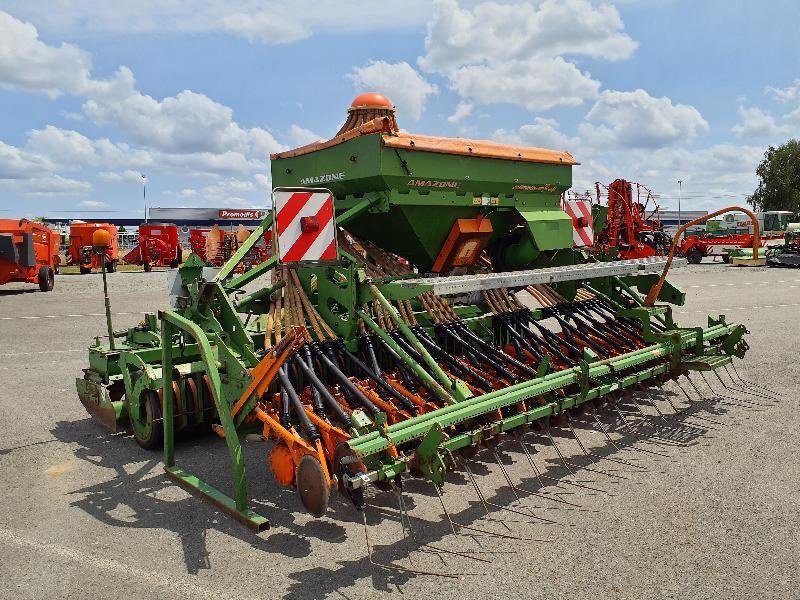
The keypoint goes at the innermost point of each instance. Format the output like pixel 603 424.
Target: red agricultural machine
pixel 80 246
pixel 28 253
pixel 159 246
pixel 631 226
pixel 215 246
pixel 772 225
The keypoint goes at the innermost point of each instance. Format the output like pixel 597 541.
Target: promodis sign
pixel 242 214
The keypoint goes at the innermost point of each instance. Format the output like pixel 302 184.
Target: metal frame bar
pixel 418 427
pixel 171 323
pixel 463 284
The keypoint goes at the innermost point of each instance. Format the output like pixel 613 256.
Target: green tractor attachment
pixel 424 303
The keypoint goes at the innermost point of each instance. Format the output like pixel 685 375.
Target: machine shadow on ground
pixel 494 498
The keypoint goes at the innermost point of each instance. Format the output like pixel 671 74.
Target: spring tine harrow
pixel 751 384
pixel 398 568
pixel 594 456
pixel 437 550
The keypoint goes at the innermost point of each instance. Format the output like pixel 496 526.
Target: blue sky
pixel 196 94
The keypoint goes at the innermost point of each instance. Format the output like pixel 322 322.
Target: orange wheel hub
pixel 282 464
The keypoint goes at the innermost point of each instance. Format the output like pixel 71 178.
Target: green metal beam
pixel 419 426
pixel 229 267
pixel 172 322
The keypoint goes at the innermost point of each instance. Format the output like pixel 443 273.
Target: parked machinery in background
pixel 215 246
pixel 159 246
pixel 735 236
pixel 787 255
pixel 81 250
pixel 28 253
pixel 627 225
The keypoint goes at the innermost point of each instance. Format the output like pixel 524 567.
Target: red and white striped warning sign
pixel 581 213
pixel 306 229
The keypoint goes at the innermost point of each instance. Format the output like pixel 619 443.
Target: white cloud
pixel 227 192
pixel 756 123
pixel 16 163
pixel 515 53
pixel 266 27
pixel 92 204
pixel 495 33
pixel 638 120
pixel 253 19
pixel 27 63
pixel 300 136
pixel 463 110
pixel 399 81
pixel 786 94
pixel 126 176
pixel 542 133
pixel 46 185
pixel 537 84
pixel 184 123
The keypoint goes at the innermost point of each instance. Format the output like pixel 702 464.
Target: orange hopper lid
pixel 371 100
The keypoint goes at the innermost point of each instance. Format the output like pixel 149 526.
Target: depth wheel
pixel 148 426
pixel 312 486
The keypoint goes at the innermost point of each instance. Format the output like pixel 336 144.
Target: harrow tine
pixel 730 400
pixel 564 461
pixel 477 530
pixel 619 444
pixel 434 549
pixel 486 503
pixel 737 388
pixel 540 477
pixel 757 391
pixel 514 488
pixel 752 384
pixel 597 456
pixel 397 568
pixel 682 424
pixel 696 416
pixel 633 432
pixel 591 456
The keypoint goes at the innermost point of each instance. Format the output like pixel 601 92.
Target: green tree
pixel 779 179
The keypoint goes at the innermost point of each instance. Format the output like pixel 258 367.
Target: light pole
pixel 144 195
pixel 680 193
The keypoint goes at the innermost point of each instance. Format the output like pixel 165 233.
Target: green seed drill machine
pixel 424 302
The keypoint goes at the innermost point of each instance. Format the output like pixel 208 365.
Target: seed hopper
pixel 425 304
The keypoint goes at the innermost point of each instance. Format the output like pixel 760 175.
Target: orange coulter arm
pixel 652 295
pixel 266 370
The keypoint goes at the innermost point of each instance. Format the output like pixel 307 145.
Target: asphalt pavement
pixel 704 505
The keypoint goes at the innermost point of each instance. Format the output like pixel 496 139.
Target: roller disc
pixel 312 486
pixel 282 464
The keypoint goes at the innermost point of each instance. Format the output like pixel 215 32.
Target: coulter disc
pixel 312 486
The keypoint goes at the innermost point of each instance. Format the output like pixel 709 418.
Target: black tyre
pixel 694 256
pixel 46 279
pixel 85 270
pixel 726 258
pixel 111 266
pixel 175 263
pixel 148 426
pixel 147 267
